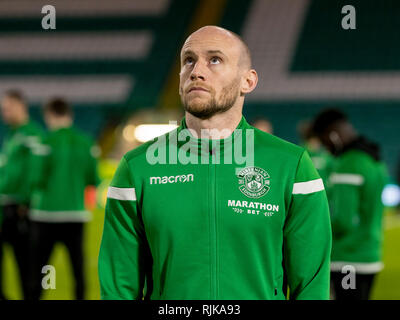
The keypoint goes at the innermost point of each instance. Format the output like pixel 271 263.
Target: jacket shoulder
pixel 267 141
pixel 34 129
pixel 356 161
pixel 81 136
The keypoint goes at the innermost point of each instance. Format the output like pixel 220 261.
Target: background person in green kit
pixel 17 165
pixel 357 182
pixel 67 165
pixel 321 158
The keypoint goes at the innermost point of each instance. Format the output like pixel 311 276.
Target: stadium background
pixel 117 63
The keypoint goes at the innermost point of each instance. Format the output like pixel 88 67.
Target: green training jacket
pixel 67 165
pixel 18 164
pixel 357 210
pixel 216 230
pixel 2 163
pixel 323 162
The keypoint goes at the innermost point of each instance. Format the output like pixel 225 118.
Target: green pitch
pixel 386 285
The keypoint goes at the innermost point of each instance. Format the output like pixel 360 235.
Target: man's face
pixel 329 138
pixel 9 110
pixel 210 77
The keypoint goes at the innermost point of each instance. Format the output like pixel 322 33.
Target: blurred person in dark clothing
pixel 357 182
pixel 321 158
pixel 68 165
pixel 17 164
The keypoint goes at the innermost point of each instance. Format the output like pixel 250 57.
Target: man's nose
pixel 197 71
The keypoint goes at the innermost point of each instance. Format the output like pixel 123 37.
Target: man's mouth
pixel 197 89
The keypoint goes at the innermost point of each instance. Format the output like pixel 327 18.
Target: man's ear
pixel 249 81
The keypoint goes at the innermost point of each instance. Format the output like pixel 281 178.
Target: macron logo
pixel 172 179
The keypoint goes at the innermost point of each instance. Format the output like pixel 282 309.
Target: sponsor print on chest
pixel 254 183
pixel 252 207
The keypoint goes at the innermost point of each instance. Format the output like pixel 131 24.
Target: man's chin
pixel 197 108
pixel 200 113
pixel 204 109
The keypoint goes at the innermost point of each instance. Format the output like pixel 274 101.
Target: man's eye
pixel 188 61
pixel 215 60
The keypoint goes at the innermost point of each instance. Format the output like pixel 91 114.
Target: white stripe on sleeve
pixel 308 186
pixel 121 193
pixel 361 267
pixel 346 178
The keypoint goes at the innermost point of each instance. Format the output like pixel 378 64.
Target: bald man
pixel 215 209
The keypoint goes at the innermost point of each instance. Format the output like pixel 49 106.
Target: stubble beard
pixel 205 110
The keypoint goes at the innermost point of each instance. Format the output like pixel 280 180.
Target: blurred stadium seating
pixel 104 58
pixel 110 60
pixel 307 61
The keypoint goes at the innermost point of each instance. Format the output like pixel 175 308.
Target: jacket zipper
pixel 213 219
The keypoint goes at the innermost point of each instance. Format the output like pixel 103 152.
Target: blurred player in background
pixel 357 182
pixel 264 124
pixel 397 182
pixel 67 165
pixel 18 164
pixel 321 158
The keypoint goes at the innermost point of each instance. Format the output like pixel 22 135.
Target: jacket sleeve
pixel 40 164
pixel 123 251
pixel 356 195
pixel 11 169
pixel 307 236
pixel 37 159
pixel 3 161
pixel 21 165
pixel 92 172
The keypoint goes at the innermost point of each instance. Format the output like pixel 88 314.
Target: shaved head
pixel 232 37
pixel 215 72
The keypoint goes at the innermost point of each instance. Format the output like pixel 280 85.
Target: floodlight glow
pixel 146 132
pixel 129 133
pixel 391 195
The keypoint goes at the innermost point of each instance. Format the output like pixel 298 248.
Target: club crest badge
pixel 253 182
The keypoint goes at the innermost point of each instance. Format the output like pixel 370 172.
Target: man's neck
pixel 219 126
pixel 21 122
pixel 60 123
pixel 313 144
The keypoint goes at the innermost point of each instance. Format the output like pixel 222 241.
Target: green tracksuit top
pixel 323 162
pixel 18 163
pixel 357 211
pixel 68 165
pixel 216 231
pixel 2 202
